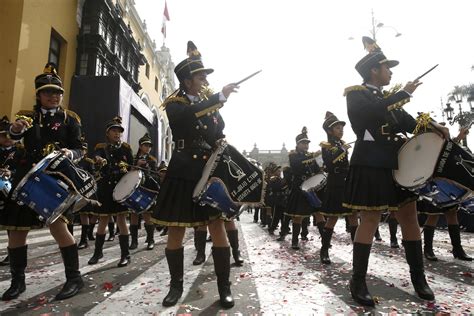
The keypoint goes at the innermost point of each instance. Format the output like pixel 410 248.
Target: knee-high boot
pixel 414 256
pixel 175 259
pixel 83 242
pixel 320 226
pixel 134 235
pixel 124 251
pixel 99 245
pixel 221 256
pixel 428 235
pixel 295 236
pixel 360 262
pixel 233 236
pixel 150 233
pixel 458 251
pixel 18 259
pixel 392 226
pixel 325 242
pixel 73 276
pixel 200 244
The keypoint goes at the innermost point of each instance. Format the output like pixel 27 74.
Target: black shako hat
pixel 4 125
pixel 373 58
pixel 191 65
pixel 115 122
pixel 49 79
pixel 303 137
pixel 146 139
pixel 330 120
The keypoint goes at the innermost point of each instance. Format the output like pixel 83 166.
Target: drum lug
pixel 37 179
pixel 32 205
pixel 63 185
pixel 58 195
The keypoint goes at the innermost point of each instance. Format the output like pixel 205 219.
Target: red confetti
pixel 467 274
pixel 300 273
pixel 107 286
pixel 42 300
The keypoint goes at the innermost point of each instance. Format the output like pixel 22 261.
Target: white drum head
pixel 127 185
pixel 417 160
pixel 313 182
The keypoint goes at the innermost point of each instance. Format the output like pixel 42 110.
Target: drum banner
pixel 456 164
pixel 243 180
pixel 78 179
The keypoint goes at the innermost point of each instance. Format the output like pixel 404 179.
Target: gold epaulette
pixel 19 146
pixel 325 145
pixel 398 105
pixel 29 113
pixel 89 160
pixel 210 109
pixel 100 146
pixel 175 99
pixel 74 115
pixel 126 145
pixel 153 158
pixel 292 152
pixel 354 88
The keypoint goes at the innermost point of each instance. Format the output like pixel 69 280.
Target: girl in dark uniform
pixel 113 159
pixel 50 125
pixel 376 119
pixel 303 166
pixel 148 164
pixel 196 127
pixel 336 164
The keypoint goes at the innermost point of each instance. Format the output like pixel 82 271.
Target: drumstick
pixel 430 70
pixel 248 77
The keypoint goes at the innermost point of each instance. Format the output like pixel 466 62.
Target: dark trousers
pixel 304 227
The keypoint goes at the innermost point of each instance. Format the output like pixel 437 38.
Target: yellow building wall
pixel 38 18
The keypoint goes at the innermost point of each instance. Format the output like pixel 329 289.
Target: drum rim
pixel 325 178
pixel 66 204
pixel 135 187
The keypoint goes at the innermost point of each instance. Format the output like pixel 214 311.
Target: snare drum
pixel 45 193
pixel 313 184
pixel 435 169
pixel 130 192
pixel 5 187
pixel 229 181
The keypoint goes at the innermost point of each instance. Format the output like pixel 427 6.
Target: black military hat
pixel 146 139
pixel 373 58
pixel 115 122
pixel 331 120
pixel 49 79
pixel 4 124
pixel 191 65
pixel 303 137
pixel 272 167
pixel 162 166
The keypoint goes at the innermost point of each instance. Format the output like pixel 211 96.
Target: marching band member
pixel 196 126
pixel 303 165
pixel 52 126
pixel 280 208
pixel 336 163
pixel 376 120
pixel 147 162
pixel 113 160
pixel 162 168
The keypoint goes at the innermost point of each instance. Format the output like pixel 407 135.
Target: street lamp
pixel 376 26
pixel 464 118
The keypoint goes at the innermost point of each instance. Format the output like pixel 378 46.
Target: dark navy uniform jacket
pixel 303 166
pixel 376 120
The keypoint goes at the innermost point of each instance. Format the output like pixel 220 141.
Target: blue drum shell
pixel 216 197
pixel 312 198
pixel 448 193
pixel 140 200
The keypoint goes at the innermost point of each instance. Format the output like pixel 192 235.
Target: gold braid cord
pixel 422 122
pixel 392 90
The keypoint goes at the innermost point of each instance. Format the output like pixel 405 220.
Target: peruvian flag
pixel 166 17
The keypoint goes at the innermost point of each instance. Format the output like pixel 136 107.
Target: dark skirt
pixel 19 217
pixel 425 207
pixel 175 205
pixel 298 204
pixel 373 189
pixel 109 207
pixel 333 197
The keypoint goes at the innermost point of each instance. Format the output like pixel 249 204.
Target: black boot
pixel 320 226
pixel 233 236
pixel 358 287
pixel 175 265
pixel 295 235
pixel 150 232
pixel 414 256
pixel 282 236
pixel 124 253
pixel 90 232
pixel 392 226
pixel 270 224
pixel 353 230
pixel 164 232
pixel 304 229
pixel 428 234
pixel 5 261
pixel 458 251
pixel 73 276
pixel 200 244
pixel 134 235
pixel 377 235
pixel 17 269
pixel 111 227
pixel 83 243
pixel 70 228
pixel 325 242
pixel 221 256
pixel 99 244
